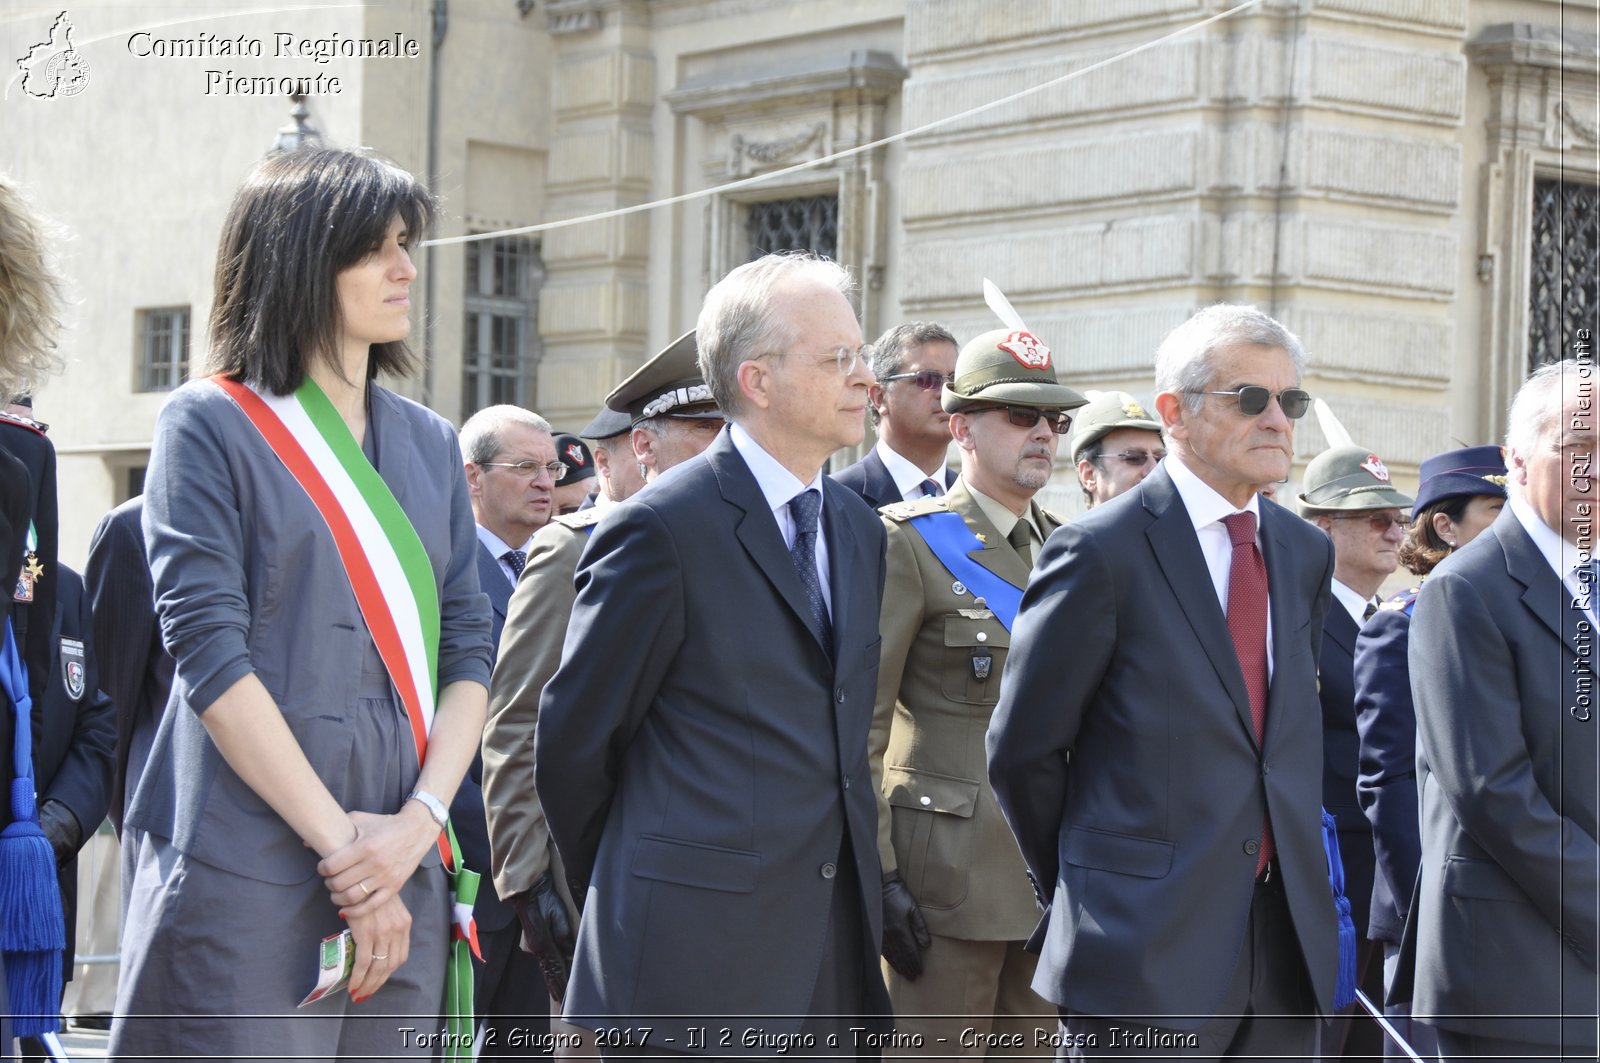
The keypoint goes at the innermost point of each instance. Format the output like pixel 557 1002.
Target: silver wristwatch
pixel 435 807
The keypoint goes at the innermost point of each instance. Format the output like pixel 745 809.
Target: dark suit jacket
pixel 1341 756
pixel 702 757
pixel 870 479
pixel 73 737
pixel 135 669
pixel 466 811
pixel 1504 685
pixel 1145 846
pixel 1387 784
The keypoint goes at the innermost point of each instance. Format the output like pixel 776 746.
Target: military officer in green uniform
pixel 1115 443
pixel 957 903
pixel 674 418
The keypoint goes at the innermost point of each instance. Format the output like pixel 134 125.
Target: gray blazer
pixel 247 580
pixel 1503 681
pixel 1123 754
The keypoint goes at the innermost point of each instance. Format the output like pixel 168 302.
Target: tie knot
pixel 932 488
pixel 1241 528
pixel 517 560
pixel 804 507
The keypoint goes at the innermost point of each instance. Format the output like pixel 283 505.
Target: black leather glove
pixel 905 934
pixel 61 829
pixel 547 933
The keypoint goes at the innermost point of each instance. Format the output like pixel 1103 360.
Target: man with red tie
pixel 1157 745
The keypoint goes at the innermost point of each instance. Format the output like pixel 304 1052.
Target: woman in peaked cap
pixel 1461 493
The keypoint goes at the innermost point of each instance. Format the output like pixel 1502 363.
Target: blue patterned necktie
pixel 516 559
pixel 932 488
pixel 804 508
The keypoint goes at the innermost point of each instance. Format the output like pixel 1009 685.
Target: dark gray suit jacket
pixel 466 810
pixel 1504 686
pixel 701 755
pixel 247 579
pixel 1145 845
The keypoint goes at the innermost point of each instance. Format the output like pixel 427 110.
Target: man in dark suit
pixel 511 467
pixel 709 790
pixel 135 668
pixel 1348 494
pixel 911 364
pixel 1502 661
pixel 1157 746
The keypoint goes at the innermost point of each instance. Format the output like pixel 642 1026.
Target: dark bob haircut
pixel 299 219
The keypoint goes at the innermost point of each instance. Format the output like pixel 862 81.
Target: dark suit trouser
pixel 511 1000
pixel 836 1001
pixel 1352 1034
pixel 1268 1011
pixel 1461 1047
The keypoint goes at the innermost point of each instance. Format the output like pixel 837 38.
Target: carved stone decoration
pixel 567 17
pixel 1566 127
pixel 766 153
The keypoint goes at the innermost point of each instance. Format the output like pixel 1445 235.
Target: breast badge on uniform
pixel 73 671
pixel 982 663
pixel 958 588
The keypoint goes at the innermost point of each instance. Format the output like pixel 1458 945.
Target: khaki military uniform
pixel 530 650
pixel 944 654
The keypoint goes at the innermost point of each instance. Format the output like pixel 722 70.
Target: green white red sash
pixel 391 576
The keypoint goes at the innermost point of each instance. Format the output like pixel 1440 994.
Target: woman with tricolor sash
pixel 311 544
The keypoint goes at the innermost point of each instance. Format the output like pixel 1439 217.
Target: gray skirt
pixel 214 963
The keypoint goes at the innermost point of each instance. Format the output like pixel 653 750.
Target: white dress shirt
pixel 497 548
pixel 1563 557
pixel 1206 509
pixel 1352 601
pixel 909 480
pixel 780 486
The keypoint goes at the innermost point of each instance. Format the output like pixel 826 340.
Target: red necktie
pixel 1247 623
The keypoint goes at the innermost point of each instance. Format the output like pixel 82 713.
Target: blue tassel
pixel 32 926
pixel 1344 986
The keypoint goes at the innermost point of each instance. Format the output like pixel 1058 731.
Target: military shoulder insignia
pixel 73 670
pixel 581 519
pixel 904 511
pixel 22 422
pixel 1400 601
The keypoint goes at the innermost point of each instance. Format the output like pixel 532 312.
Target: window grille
pixel 809 223
pixel 1564 285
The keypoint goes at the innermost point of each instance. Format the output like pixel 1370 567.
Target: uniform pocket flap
pixel 1123 853
pixel 695 864
pixel 1480 879
pixel 966 631
pixel 909 788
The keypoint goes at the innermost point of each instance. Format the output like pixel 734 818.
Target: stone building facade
pixel 1409 184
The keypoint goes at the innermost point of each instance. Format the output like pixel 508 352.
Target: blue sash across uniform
pixel 948 536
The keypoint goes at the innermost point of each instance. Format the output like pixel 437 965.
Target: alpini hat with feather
pixel 1346 476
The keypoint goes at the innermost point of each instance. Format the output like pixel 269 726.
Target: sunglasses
pixel 1135 458
pixel 1378 522
pixel 926 379
pixel 1253 399
pixel 1027 416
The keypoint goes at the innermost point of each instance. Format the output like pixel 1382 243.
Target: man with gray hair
pixel 1157 744
pixel 511 466
pixel 709 792
pixel 911 363
pixel 1502 674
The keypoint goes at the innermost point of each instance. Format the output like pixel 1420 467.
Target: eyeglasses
pixel 1135 458
pixel 1378 522
pixel 530 469
pixel 1253 400
pixel 926 379
pixel 845 359
pixel 1027 416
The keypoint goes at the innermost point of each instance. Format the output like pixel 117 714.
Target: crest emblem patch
pixel 575 455
pixel 982 664
pixel 1376 467
pixel 73 671
pixel 1026 349
pixel 1133 409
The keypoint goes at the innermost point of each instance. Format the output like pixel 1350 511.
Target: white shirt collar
pixel 1205 506
pixel 1561 555
pixel 778 485
pixel 1352 601
pixel 495 546
pixel 907 477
